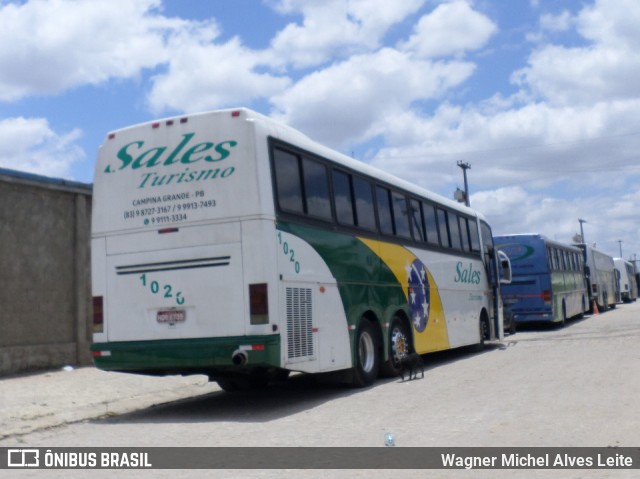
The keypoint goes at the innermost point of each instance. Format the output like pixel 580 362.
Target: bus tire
pixel 399 345
pixel 563 319
pixel 605 306
pixel 483 329
pixel 367 355
pixel 583 309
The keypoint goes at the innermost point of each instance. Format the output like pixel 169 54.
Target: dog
pixel 411 362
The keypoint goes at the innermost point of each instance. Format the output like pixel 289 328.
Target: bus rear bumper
pixel 532 317
pixel 188 356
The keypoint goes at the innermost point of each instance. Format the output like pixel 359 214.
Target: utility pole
pixel 582 231
pixel 620 246
pixel 465 167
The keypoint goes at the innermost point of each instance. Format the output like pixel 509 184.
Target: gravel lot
pixel 576 386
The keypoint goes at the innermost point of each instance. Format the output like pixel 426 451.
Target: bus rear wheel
pixel 399 346
pixel 484 330
pixel 367 355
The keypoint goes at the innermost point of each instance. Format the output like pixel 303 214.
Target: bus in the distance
pixel 548 283
pixel 601 278
pixel 230 245
pixel 626 277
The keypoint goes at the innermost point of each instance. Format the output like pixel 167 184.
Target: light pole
pixel 465 167
pixel 582 230
pixel 620 246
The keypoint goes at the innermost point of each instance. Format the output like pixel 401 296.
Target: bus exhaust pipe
pixel 239 358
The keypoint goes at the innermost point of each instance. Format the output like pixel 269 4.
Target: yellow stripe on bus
pixel 398 259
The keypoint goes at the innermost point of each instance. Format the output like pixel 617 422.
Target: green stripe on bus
pixel 186 353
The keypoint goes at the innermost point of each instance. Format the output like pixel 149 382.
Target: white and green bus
pixel 230 245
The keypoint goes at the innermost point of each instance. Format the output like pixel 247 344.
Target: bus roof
pixel 528 237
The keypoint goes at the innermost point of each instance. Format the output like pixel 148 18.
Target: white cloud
pixel 334 28
pixel 357 94
pixel 203 75
pixel 451 29
pixel 29 144
pixel 556 23
pixel 599 71
pixel 61 44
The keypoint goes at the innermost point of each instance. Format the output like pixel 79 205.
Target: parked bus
pixel 601 278
pixel 626 276
pixel 548 281
pixel 227 244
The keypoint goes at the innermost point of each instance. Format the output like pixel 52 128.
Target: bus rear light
pixel 101 354
pixel 258 303
pixel 98 314
pixel 546 296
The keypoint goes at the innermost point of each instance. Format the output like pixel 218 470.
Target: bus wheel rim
pixel 366 351
pixel 399 344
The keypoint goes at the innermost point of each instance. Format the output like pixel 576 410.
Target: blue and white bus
pixel 548 281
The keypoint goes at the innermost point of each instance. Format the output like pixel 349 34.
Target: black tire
pixel 484 331
pixel 605 306
pixel 584 309
pixel 399 345
pixel 367 346
pixel 563 321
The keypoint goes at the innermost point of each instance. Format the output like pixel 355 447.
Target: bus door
pixel 491 257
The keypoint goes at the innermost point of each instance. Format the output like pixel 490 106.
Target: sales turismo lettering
pixel 134 156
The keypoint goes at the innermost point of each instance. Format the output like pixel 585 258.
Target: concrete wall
pixel 45 292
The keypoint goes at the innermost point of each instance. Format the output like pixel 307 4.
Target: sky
pixel 540 97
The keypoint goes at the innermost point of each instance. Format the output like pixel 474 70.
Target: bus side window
pixel 430 223
pixel 385 219
pixel 342 198
pixel 454 229
pixel 365 212
pixel 443 228
pixel 464 233
pixel 289 188
pixel 400 215
pixel 416 220
pixel 316 188
pixel 475 238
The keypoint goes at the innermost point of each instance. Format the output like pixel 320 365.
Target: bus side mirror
pixel 505 268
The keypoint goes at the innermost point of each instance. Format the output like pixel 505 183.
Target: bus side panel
pixel 460 292
pixel 312 316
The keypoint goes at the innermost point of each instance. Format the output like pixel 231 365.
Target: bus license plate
pixel 171 316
